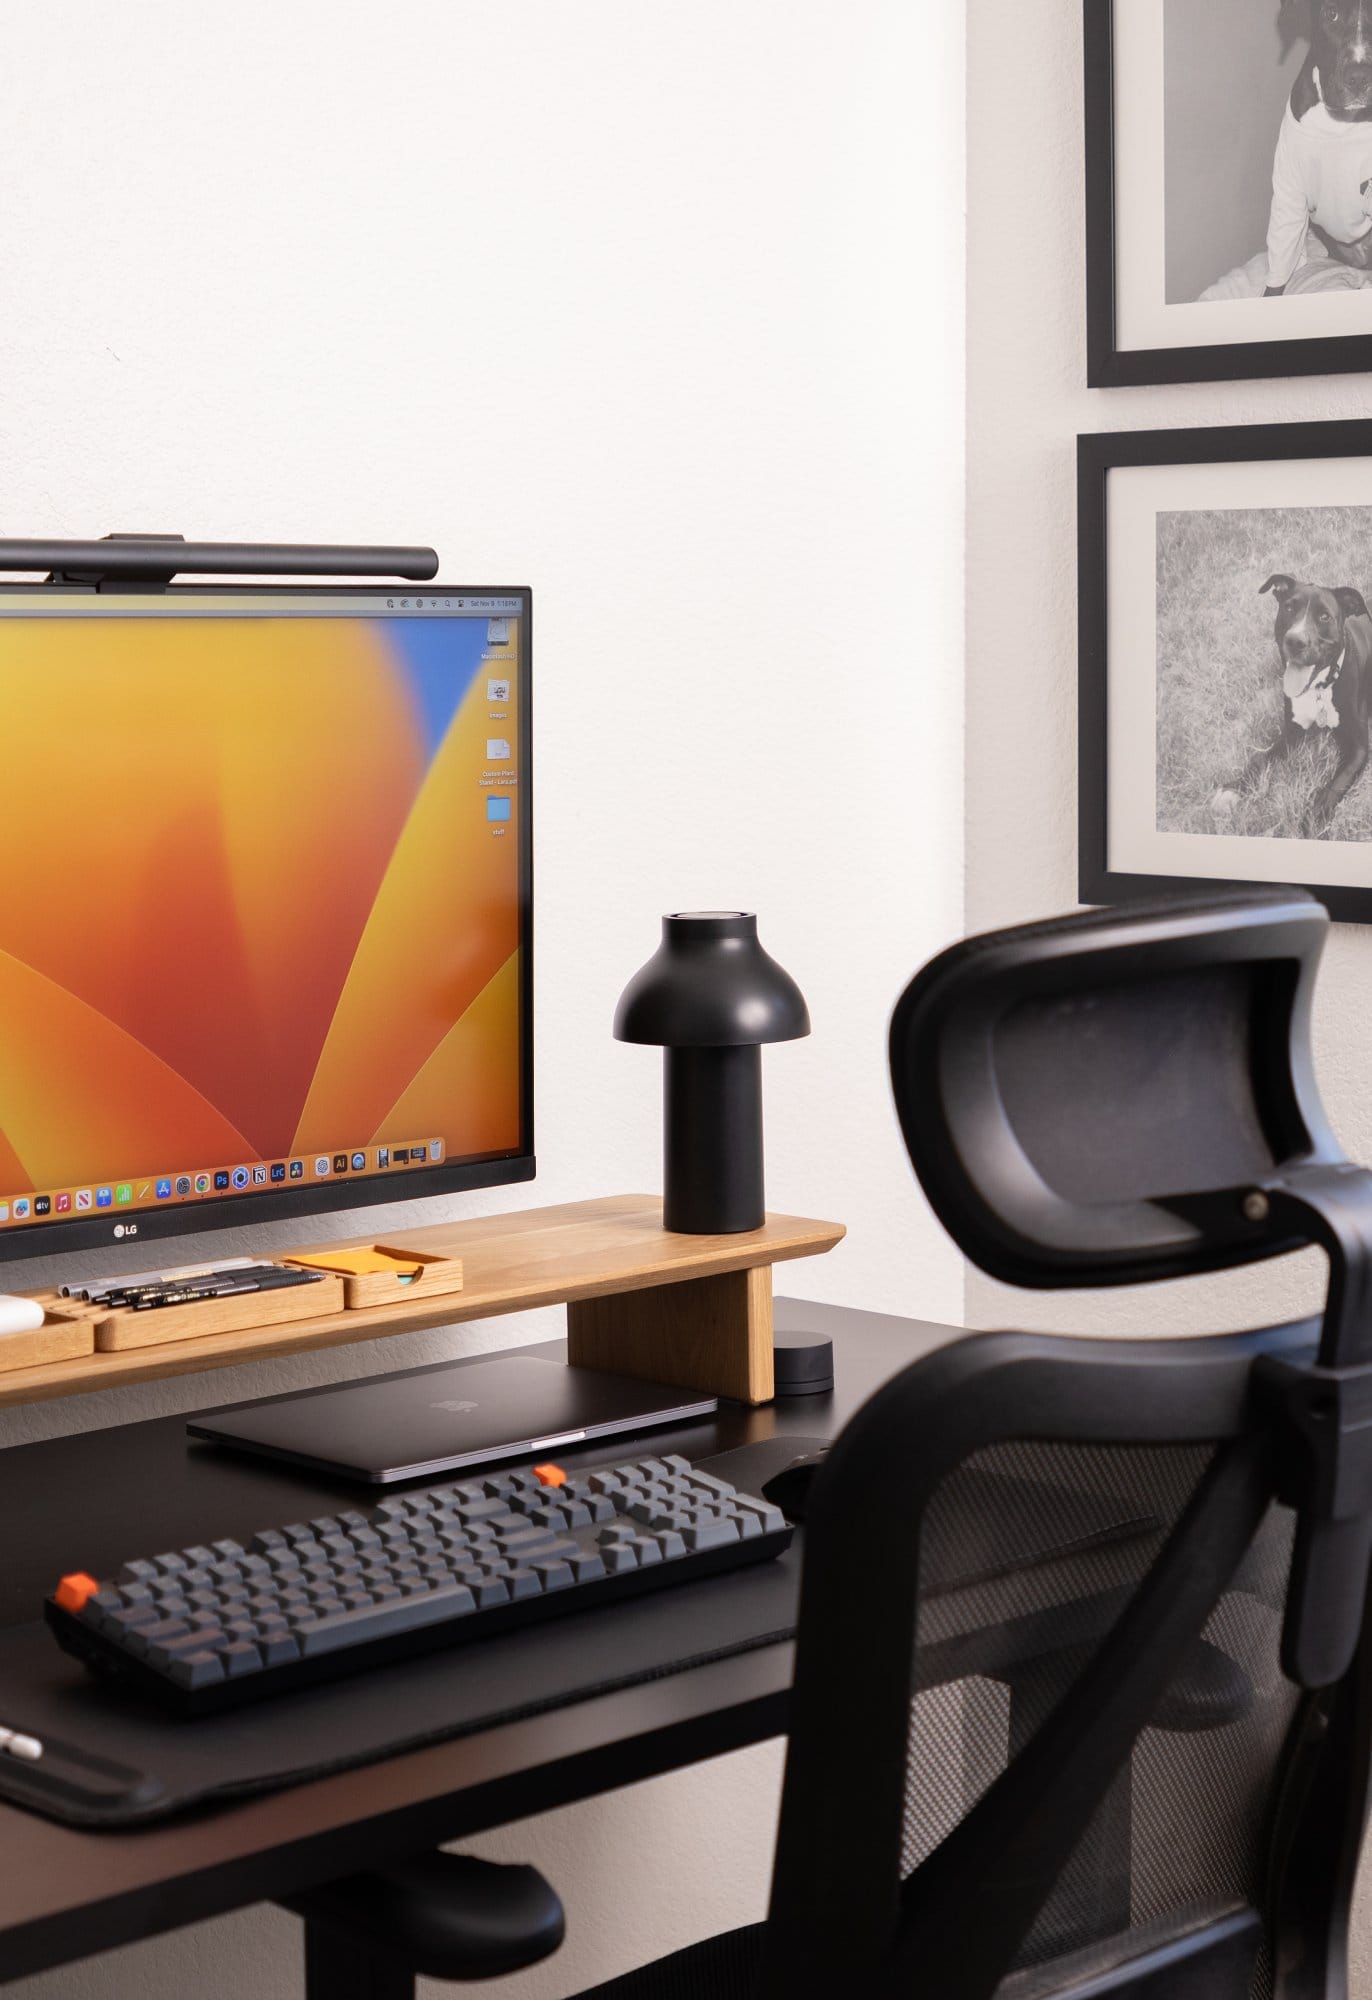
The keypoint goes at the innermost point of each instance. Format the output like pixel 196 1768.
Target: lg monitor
pixel 265 904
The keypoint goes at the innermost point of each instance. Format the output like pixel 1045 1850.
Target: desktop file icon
pixel 498 809
pixel 497 749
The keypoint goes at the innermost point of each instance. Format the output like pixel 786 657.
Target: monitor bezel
pixel 102 1231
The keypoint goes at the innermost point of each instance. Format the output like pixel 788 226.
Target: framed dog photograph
pixel 1225 665
pixel 1228 188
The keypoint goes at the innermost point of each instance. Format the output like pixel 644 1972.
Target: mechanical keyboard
pixel 204 1628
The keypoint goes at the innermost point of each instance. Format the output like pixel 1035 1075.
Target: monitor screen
pixel 264 904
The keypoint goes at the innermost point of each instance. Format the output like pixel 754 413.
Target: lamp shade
pixel 710 985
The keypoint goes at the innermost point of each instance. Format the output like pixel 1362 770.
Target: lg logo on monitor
pixel 125 1229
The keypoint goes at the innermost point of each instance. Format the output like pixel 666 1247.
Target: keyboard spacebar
pixel 382 1621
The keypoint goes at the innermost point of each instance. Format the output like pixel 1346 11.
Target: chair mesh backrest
pixel 1030 1553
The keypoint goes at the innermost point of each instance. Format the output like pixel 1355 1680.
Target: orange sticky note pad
pixel 356 1263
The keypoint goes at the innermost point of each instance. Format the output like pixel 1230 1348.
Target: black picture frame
pixel 1107 365
pixel 1098 455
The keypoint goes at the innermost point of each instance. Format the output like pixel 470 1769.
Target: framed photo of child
pixel 1228 189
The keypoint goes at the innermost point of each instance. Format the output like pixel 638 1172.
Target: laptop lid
pixel 423 1421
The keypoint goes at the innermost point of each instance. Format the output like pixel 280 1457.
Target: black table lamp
pixel 710 996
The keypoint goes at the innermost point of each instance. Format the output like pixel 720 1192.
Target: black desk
pixel 92 1501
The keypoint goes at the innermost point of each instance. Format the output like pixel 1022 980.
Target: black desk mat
pixel 112 1759
pixel 109 1740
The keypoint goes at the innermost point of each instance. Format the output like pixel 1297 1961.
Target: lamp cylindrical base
pixel 712 1123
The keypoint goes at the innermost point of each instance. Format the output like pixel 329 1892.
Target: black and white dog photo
pixel 1269 191
pixel 1264 665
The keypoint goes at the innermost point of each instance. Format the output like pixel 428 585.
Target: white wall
pixel 658 308
pixel 1026 402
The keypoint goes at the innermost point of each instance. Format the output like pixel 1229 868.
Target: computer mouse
pixel 789 1489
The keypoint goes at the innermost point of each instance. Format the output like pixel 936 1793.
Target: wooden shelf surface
pixel 531 1257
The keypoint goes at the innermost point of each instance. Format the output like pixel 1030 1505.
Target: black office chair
pixel 1091 1716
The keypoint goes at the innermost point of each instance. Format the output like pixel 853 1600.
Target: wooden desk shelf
pixel 692 1310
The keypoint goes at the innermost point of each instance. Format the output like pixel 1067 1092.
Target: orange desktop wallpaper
pixel 259 899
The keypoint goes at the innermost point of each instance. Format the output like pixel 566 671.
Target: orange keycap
pixel 72 1592
pixel 550 1475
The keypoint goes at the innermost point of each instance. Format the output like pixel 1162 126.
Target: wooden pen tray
pixel 419 1274
pixel 73 1329
pixel 63 1336
pixel 112 1331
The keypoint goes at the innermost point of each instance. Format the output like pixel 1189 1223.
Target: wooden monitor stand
pixel 695 1311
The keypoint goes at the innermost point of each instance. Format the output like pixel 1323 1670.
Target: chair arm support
pixel 450 1916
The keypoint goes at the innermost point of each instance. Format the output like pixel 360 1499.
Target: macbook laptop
pixel 423 1421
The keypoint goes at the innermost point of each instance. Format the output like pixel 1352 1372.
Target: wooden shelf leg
pixel 712 1334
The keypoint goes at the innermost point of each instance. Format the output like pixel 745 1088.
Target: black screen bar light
pixel 117 559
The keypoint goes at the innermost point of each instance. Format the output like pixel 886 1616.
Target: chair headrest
pixel 1067 1089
